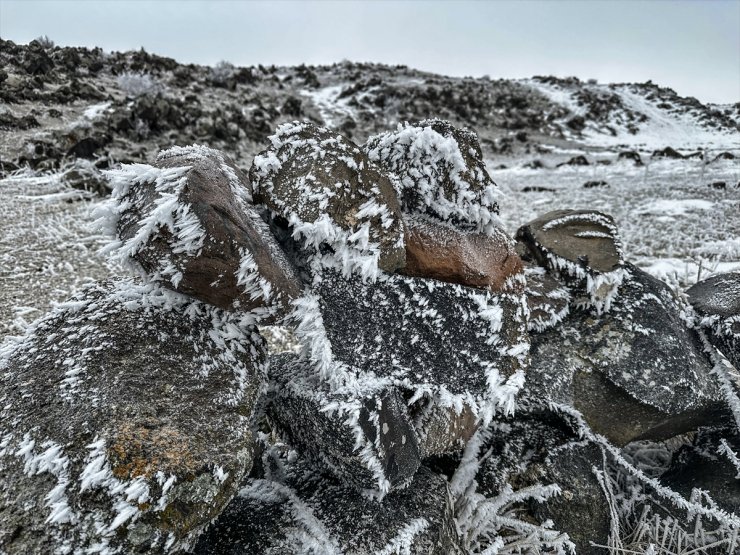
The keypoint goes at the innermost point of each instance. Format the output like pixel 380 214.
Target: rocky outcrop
pixel 440 251
pixel 331 196
pixel 189 223
pixel 125 421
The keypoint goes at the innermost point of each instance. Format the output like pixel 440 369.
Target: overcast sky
pixel 691 46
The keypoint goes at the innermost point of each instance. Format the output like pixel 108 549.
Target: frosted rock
pixel 717 302
pixel 298 511
pixel 189 223
pixel 366 441
pixel 445 344
pixel 125 421
pixel 548 299
pixel 440 251
pixel 441 173
pixel 331 196
pixel 635 372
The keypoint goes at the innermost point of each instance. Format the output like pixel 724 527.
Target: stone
pixel 440 343
pixel 442 252
pixel 83 175
pixel 441 173
pixel 189 223
pixel 579 160
pixel 596 183
pixel 706 465
pixel 667 152
pixel 717 302
pixel 444 430
pixel 366 438
pixel 306 512
pixel 332 197
pixel 632 156
pixel 125 421
pixel 636 371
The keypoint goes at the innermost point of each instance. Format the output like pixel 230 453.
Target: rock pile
pixel 458 390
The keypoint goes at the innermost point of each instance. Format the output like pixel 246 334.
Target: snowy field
pixel 673 224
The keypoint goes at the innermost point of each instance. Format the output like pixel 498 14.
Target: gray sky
pixel 691 46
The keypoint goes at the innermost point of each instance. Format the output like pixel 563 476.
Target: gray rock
pixel 365 438
pixel 125 421
pixel 548 299
pixel 189 223
pixel 304 512
pixel 332 196
pixel 717 301
pixel 442 343
pixel 635 372
pixel 441 172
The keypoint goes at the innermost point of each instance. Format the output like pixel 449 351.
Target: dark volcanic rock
pixel 366 439
pixel 593 184
pixel 125 422
pixel 440 251
pixel 83 175
pixel 635 371
pixel 331 195
pixel 717 301
pixel 667 152
pixel 575 161
pixel 631 155
pixel 189 222
pixel 441 172
pixel 443 343
pixel 305 512
pixel 706 465
pixel 548 299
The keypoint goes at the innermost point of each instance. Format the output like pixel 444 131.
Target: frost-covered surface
pixel 331 195
pixel 295 510
pixel 440 172
pixel 84 471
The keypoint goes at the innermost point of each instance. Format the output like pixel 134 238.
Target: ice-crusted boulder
pixel 580 247
pixel 188 221
pixel 717 302
pixel 296 510
pixel 635 372
pixel 337 203
pixel 365 438
pixel 449 348
pixel 125 421
pixel 440 251
pixel 441 172
pixel 548 299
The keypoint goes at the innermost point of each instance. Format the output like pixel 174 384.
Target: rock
pixel 548 299
pixel 537 189
pixel 580 160
pixel 635 371
pixel 582 509
pixel 724 156
pixel 307 512
pixel 667 152
pixel 707 465
pixel 126 421
pixel 534 165
pixel 580 247
pixel 593 184
pixel 440 343
pixel 440 251
pixel 720 185
pixel 365 438
pixel 83 175
pixel 189 223
pixel 441 172
pixel 717 301
pixel 331 196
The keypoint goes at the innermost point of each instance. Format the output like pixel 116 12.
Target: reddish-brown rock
pixel 189 223
pixel 439 251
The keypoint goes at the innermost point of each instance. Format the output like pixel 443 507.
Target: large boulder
pixel 442 343
pixel 189 223
pixel 635 372
pixel 331 196
pixel 365 438
pixel 440 251
pixel 441 173
pixel 301 511
pixel 717 302
pixel 125 421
